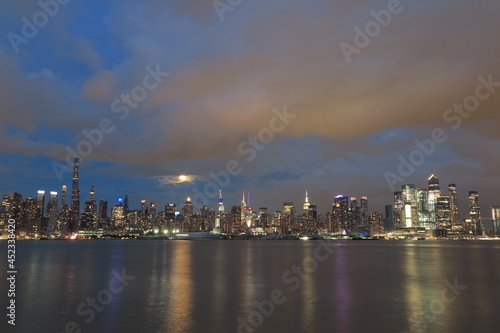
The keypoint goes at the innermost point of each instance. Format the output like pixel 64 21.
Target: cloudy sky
pixel 356 102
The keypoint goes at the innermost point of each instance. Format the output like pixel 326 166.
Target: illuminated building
pixel 443 213
pixel 376 224
pixel 287 218
pixel 246 211
pixel 74 218
pixel 28 213
pixel 102 215
pixel 495 216
pixel 118 214
pixel 434 190
pixel 88 219
pixel 475 214
pixel 53 218
pixel 363 211
pixel 454 215
pixel 426 209
pixel 306 204
pixel 410 210
pixel 170 218
pixel 220 211
pixel 340 214
pixel 398 211
pixel 64 215
pixel 187 213
pixel 355 214
pixel 40 202
pixel 12 206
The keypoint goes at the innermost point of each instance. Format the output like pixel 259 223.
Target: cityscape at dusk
pixel 248 166
pixel 414 212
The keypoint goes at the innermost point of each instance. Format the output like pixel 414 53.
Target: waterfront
pixel 190 286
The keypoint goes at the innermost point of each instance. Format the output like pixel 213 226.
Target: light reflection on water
pixel 184 286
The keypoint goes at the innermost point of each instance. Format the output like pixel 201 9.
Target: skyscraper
pixel 475 214
pixel 74 220
pixel 389 218
pixel 454 215
pixel 89 219
pixel 495 216
pixel 340 214
pixel 434 192
pixel 246 211
pixel 53 216
pixel 363 211
pixel 220 211
pixel 306 204
pixel 398 210
pixel 40 202
pixel 443 213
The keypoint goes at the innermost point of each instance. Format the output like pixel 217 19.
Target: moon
pixel 183 178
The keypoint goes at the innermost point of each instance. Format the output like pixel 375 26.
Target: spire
pixel 248 201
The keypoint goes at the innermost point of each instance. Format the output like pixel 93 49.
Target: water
pixel 197 286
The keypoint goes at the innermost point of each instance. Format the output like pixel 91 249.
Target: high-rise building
pixel 187 214
pixel 306 204
pixel 170 218
pixel 443 213
pixel 89 218
pixel 495 216
pixel 389 218
pixel 376 224
pixel 475 214
pixel 456 225
pixel 363 211
pixel 220 211
pixel 74 219
pixel 102 215
pixel 287 217
pixel 53 216
pixel 409 210
pixel 426 209
pixel 340 215
pixel 117 214
pixel 355 214
pixel 40 202
pixel 398 211
pixel 29 212
pixel 246 211
pixel 434 192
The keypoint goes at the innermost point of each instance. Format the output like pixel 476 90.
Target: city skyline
pixel 431 207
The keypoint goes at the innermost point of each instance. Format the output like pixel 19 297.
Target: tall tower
pixel 495 215
pixel 306 204
pixel 63 196
pixel 220 211
pixel 475 213
pixel 75 198
pixel 454 216
pixel 434 193
pixel 53 214
pixel 40 202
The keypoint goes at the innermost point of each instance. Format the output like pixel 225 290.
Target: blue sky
pixel 352 119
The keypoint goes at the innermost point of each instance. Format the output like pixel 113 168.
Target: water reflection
pixel 180 292
pixel 342 293
pixel 309 292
